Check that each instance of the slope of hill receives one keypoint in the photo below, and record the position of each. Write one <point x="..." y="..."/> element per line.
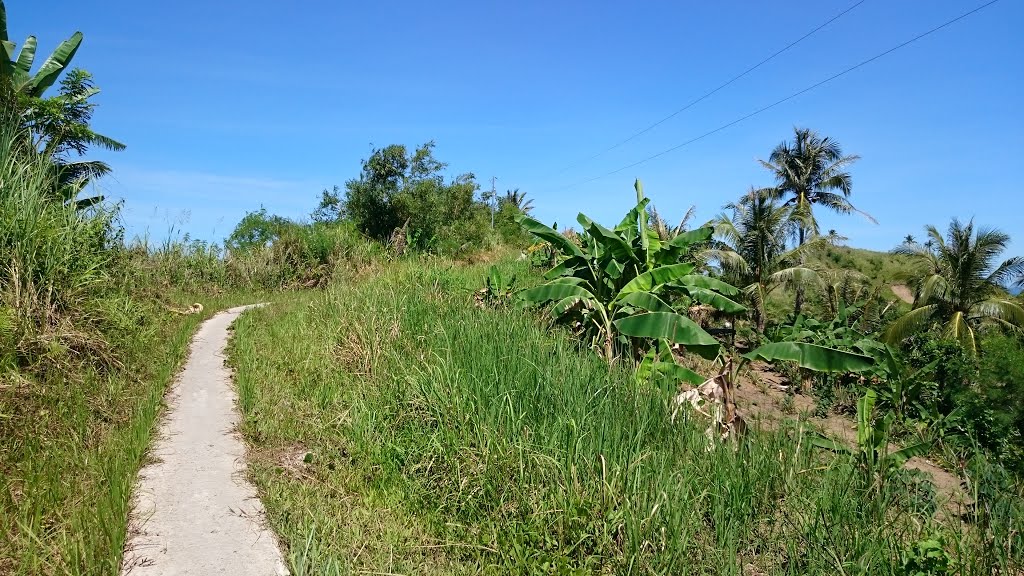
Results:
<point x="880" y="267"/>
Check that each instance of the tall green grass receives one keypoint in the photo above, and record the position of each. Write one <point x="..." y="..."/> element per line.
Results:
<point x="53" y="259"/>
<point x="304" y="256"/>
<point x="397" y="428"/>
<point x="86" y="352"/>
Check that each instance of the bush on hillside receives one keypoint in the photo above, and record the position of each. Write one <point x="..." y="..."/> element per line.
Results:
<point x="399" y="190"/>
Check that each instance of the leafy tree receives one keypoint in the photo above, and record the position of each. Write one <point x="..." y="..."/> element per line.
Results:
<point x="331" y="207"/>
<point x="751" y="249"/>
<point x="257" y="229"/>
<point x="809" y="171"/>
<point x="959" y="286"/>
<point x="619" y="286"/>
<point x="370" y="199"/>
<point x="505" y="224"/>
<point x="59" y="126"/>
<point x="396" y="188"/>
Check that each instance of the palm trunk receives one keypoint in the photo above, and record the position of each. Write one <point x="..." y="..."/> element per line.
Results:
<point x="799" y="301"/>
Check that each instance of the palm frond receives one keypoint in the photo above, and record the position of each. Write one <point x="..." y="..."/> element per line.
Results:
<point x="911" y="323"/>
<point x="960" y="330"/>
<point x="1007" y="271"/>
<point x="999" y="309"/>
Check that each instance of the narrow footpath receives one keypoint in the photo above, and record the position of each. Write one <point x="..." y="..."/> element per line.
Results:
<point x="194" y="511"/>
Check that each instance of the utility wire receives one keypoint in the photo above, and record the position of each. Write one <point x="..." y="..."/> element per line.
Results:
<point x="712" y="92"/>
<point x="787" y="98"/>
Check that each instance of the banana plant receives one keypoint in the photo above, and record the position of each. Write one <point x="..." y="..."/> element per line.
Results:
<point x="621" y="284"/>
<point x="498" y="289"/>
<point x="18" y="69"/>
<point x="872" y="454"/>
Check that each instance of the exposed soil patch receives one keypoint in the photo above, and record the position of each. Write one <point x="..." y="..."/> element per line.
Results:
<point x="903" y="293"/>
<point x="765" y="398"/>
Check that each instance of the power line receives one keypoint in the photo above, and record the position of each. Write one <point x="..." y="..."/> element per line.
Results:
<point x="787" y="98"/>
<point x="712" y="92"/>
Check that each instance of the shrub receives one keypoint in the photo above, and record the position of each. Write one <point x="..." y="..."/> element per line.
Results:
<point x="401" y="190"/>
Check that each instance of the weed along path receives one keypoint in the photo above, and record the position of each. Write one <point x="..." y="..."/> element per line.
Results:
<point x="194" y="511"/>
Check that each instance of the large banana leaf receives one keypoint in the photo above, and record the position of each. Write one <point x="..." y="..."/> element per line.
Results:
<point x="645" y="241"/>
<point x="716" y="300"/>
<point x="830" y="444"/>
<point x="555" y="291"/>
<point x="27" y="56"/>
<point x="563" y="305"/>
<point x="645" y="301"/>
<point x="611" y="242"/>
<point x="709" y="283"/>
<point x="865" y="414"/>
<point x="561" y="243"/>
<point x="54" y="65"/>
<point x="812" y="357"/>
<point x="673" y="327"/>
<point x="691" y="237"/>
<point x="679" y="373"/>
<point x="6" y="64"/>
<point x="903" y="454"/>
<point x="567" y="267"/>
<point x="631" y="222"/>
<point x="650" y="280"/>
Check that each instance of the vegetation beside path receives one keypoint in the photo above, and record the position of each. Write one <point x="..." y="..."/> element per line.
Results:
<point x="398" y="428"/>
<point x="71" y="445"/>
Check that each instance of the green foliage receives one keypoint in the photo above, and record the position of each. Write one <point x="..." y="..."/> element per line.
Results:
<point x="331" y="206"/>
<point x="397" y="189"/>
<point x="18" y="70"/>
<point x="873" y="456"/>
<point x="750" y="248"/>
<point x="498" y="289"/>
<point x="959" y="285"/>
<point x="499" y="447"/>
<point x="265" y="252"/>
<point x="927" y="558"/>
<point x="811" y="357"/>
<point x="57" y="260"/>
<point x="810" y="171"/>
<point x="57" y="126"/>
<point x="620" y="284"/>
<point x="507" y="228"/>
<point x="257" y="230"/>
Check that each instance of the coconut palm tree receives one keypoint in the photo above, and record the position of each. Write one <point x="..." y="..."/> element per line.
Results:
<point x="959" y="286"/>
<point x="750" y="247"/>
<point x="810" y="171"/>
<point x="662" y="228"/>
<point x="517" y="199"/>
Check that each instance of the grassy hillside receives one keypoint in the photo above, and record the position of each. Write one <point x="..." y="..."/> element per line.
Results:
<point x="881" y="268"/>
<point x="397" y="428"/>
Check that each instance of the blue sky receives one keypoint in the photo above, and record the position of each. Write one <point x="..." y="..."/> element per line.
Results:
<point x="229" y="105"/>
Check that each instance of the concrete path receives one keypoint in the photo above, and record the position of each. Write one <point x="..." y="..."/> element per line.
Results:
<point x="194" y="512"/>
